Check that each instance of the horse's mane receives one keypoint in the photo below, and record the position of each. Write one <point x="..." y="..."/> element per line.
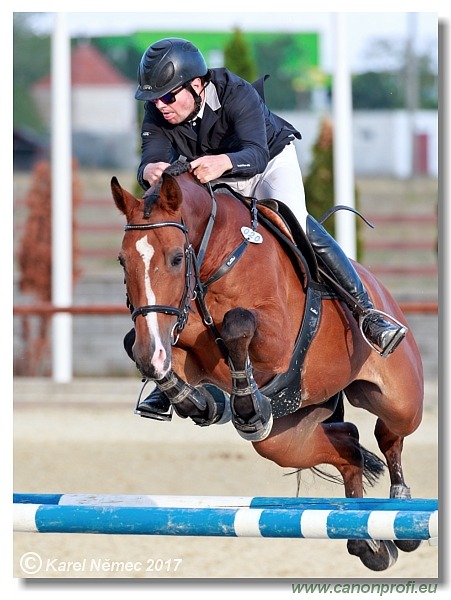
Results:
<point x="152" y="194"/>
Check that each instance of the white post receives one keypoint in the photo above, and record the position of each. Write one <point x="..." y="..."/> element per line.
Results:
<point x="345" y="230"/>
<point x="412" y="92"/>
<point x="61" y="160"/>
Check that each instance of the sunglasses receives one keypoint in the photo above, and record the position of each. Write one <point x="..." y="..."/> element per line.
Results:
<point x="170" y="97"/>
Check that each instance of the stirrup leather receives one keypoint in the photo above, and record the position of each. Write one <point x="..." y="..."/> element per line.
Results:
<point x="371" y="312"/>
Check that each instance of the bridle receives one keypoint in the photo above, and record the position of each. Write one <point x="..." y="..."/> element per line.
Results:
<point x="189" y="293"/>
<point x="195" y="289"/>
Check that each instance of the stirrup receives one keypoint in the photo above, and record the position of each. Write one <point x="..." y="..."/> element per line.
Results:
<point x="397" y="339"/>
<point x="150" y="414"/>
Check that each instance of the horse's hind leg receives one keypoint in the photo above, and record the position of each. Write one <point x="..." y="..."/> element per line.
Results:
<point x="302" y="441"/>
<point x="356" y="463"/>
<point x="391" y="446"/>
<point x="251" y="410"/>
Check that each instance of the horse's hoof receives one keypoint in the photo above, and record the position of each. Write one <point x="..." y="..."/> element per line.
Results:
<point x="254" y="430"/>
<point x="407" y="545"/>
<point x="383" y="558"/>
<point x="258" y="427"/>
<point x="400" y="491"/>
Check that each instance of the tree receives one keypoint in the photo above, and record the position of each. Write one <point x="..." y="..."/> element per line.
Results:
<point x="396" y="73"/>
<point x="272" y="55"/>
<point x="35" y="265"/>
<point x="122" y="54"/>
<point x="238" y="57"/>
<point x="374" y="90"/>
<point x="319" y="183"/>
<point x="31" y="61"/>
<point x="428" y="83"/>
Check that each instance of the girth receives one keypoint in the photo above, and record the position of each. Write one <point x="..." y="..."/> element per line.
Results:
<point x="284" y="389"/>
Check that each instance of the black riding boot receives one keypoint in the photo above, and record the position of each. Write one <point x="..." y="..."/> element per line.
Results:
<point x="380" y="332"/>
<point x="156" y="403"/>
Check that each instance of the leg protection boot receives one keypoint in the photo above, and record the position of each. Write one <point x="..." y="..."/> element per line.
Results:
<point x="373" y="324"/>
<point x="208" y="398"/>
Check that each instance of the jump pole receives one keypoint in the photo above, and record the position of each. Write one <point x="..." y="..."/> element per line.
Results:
<point x="317" y="518"/>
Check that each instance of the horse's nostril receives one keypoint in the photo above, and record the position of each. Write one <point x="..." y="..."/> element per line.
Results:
<point x="161" y="355"/>
<point x="159" y="358"/>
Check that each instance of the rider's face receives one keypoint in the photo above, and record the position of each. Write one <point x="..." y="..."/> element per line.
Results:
<point x="182" y="107"/>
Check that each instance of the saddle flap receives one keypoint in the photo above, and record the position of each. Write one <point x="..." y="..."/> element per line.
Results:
<point x="282" y="217"/>
<point x="270" y="210"/>
<point x="301" y="240"/>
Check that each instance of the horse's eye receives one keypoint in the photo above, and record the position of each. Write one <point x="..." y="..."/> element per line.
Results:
<point x="177" y="259"/>
<point x="120" y="260"/>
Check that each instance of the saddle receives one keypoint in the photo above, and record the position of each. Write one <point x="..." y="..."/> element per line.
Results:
<point x="284" y="389"/>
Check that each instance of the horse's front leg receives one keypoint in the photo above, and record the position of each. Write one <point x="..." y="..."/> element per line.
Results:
<point x="205" y="404"/>
<point x="251" y="410"/>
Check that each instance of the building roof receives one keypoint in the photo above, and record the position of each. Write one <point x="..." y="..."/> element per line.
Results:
<point x="89" y="67"/>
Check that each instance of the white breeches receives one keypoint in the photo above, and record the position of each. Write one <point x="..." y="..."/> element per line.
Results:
<point x="281" y="180"/>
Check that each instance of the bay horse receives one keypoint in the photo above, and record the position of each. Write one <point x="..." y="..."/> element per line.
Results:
<point x="221" y="303"/>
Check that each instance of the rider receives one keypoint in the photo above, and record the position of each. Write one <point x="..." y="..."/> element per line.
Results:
<point x="222" y="126"/>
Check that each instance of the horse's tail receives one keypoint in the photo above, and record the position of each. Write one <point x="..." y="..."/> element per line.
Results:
<point x="373" y="469"/>
<point x="373" y="466"/>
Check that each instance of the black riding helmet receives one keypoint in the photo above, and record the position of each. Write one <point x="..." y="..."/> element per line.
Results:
<point x="166" y="65"/>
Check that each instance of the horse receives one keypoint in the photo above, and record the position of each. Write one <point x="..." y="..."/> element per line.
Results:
<point x="222" y="303"/>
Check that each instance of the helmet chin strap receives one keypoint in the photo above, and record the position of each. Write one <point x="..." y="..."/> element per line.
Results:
<point x="197" y="100"/>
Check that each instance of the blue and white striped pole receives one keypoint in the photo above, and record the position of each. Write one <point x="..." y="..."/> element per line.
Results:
<point x="263" y="517"/>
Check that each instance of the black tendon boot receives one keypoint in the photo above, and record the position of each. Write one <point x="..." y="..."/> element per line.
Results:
<point x="377" y="330"/>
<point x="211" y="404"/>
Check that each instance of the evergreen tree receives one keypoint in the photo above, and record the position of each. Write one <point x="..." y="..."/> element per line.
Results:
<point x="319" y="183"/>
<point x="238" y="57"/>
<point x="31" y="61"/>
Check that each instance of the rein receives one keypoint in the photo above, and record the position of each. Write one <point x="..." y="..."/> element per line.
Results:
<point x="195" y="289"/>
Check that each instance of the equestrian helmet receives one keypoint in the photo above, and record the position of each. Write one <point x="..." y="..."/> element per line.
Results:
<point x="167" y="64"/>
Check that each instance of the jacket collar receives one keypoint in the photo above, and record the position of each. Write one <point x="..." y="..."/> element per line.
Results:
<point x="207" y="114"/>
<point x="211" y="101"/>
<point x="211" y="97"/>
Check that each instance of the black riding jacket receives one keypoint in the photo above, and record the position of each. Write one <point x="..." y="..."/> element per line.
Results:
<point x="242" y="126"/>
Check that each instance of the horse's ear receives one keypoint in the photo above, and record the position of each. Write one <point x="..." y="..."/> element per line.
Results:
<point x="170" y="193"/>
<point x="123" y="199"/>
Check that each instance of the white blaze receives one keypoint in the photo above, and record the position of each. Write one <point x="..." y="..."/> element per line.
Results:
<point x="146" y="251"/>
